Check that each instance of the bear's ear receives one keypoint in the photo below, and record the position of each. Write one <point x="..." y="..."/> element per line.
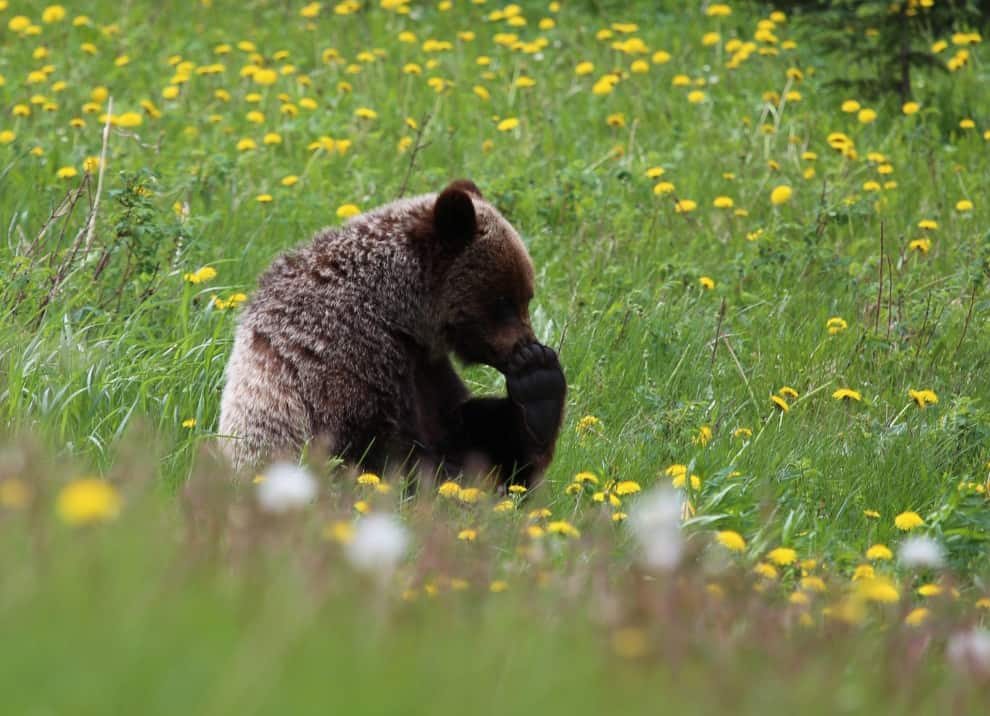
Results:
<point x="466" y="185"/>
<point x="454" y="220"/>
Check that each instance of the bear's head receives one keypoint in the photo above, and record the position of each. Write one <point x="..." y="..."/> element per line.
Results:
<point x="486" y="284"/>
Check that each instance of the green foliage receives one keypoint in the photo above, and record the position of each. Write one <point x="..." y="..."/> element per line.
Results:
<point x="888" y="43"/>
<point x="107" y="348"/>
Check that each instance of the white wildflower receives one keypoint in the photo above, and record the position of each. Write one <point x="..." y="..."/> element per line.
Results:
<point x="920" y="551"/>
<point x="379" y="542"/>
<point x="969" y="652"/>
<point x="655" y="521"/>
<point x="285" y="487"/>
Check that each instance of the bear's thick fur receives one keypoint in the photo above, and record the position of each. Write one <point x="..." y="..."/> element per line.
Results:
<point x="346" y="344"/>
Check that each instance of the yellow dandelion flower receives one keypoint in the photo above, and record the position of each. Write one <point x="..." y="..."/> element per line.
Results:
<point x="189" y="423"/>
<point x="812" y="584"/>
<point x="290" y="180"/>
<point x="922" y="246"/>
<point x="782" y="556"/>
<point x="263" y="198"/>
<point x="497" y="586"/>
<point x="627" y="487"/>
<point x="369" y="479"/>
<point x="780" y="403"/>
<point x="835" y="325"/>
<point x="365" y="113"/>
<point x="339" y="531"/>
<point x="469" y="495"/>
<point x="586" y="477"/>
<point x="362" y="507"/>
<point x="201" y="275"/>
<point x="603" y="86"/>
<point x="732" y="541"/>
<point x="928" y="224"/>
<point x="871" y="514"/>
<point x="863" y="571"/>
<point x="616" y="120"/>
<point x="781" y="194"/>
<point x="850" y="106"/>
<point x="676" y="470"/>
<point x="87" y="501"/>
<point x="562" y="527"/>
<point x="718" y="10"/>
<point x="67" y="173"/>
<point x="311" y="10"/>
<point x="723" y="202"/>
<point x="964" y="205"/>
<point x="767" y="571"/>
<point x="930" y="590"/>
<point x="703" y="436"/>
<point x="917" y="616"/>
<point x="7" y="136"/>
<point x="983" y="603"/>
<point x="707" y="282"/>
<point x="346" y="211"/>
<point x="788" y="392"/>
<point x="664" y="187"/>
<point x="879" y="589"/>
<point x="449" y="489"/>
<point x="696" y="97"/>
<point x="504" y="506"/>
<point x="588" y="423"/>
<point x="265" y="76"/>
<point x="879" y="551"/>
<point x="52" y="13"/>
<point x="685" y="206"/>
<point x="907" y="521"/>
<point x="517" y="489"/>
<point x="866" y="115"/>
<point x="847" y="394"/>
<point x="508" y="124"/>
<point x="923" y="398"/>
<point x="467" y="535"/>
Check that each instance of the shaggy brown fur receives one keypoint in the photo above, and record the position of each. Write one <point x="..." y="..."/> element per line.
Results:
<point x="346" y="342"/>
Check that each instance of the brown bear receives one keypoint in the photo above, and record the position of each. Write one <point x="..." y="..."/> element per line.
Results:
<point x="346" y="344"/>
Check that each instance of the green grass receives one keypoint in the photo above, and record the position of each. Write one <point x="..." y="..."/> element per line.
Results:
<point x="103" y="370"/>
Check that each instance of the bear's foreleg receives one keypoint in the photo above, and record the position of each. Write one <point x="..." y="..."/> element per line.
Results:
<point x="517" y="434"/>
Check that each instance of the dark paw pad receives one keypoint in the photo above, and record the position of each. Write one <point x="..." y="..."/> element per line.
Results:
<point x="536" y="384"/>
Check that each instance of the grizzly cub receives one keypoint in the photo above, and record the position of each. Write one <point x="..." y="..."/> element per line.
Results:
<point x="346" y="343"/>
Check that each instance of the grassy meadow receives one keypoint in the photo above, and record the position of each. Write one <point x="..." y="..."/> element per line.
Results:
<point x="767" y="289"/>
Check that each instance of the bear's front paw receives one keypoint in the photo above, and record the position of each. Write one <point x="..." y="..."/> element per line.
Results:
<point x="537" y="386"/>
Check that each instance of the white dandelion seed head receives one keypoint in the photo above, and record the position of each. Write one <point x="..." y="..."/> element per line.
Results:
<point x="969" y="652"/>
<point x="286" y="487"/>
<point x="655" y="521"/>
<point x="920" y="551"/>
<point x="379" y="542"/>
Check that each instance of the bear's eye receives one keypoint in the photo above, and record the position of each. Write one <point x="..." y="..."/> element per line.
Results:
<point x="504" y="309"/>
